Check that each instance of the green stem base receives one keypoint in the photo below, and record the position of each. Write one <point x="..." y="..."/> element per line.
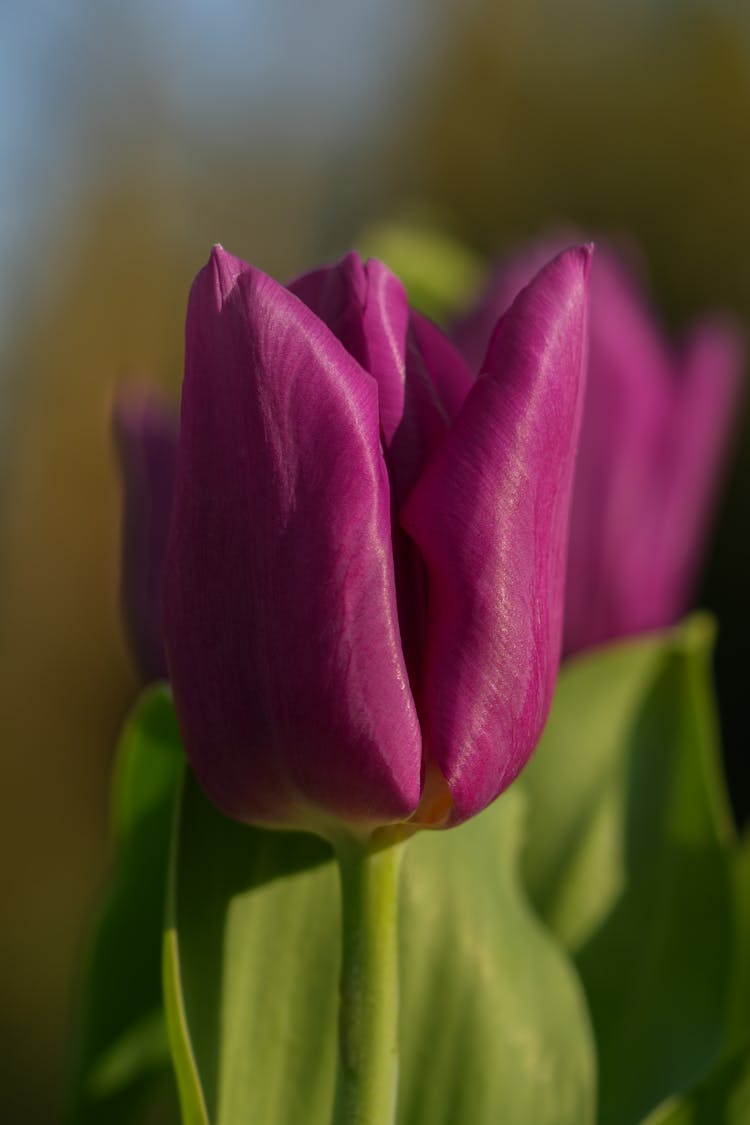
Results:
<point x="367" y="1079"/>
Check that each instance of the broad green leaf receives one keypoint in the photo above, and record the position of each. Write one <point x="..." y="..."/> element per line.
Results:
<point x="738" y="1027"/>
<point x="724" y="1097"/>
<point x="251" y="957"/>
<point x="628" y="859"/>
<point x="121" y="1051"/>
<point x="493" y="1024"/>
<point x="573" y="864"/>
<point x="441" y="275"/>
<point x="495" y="1028"/>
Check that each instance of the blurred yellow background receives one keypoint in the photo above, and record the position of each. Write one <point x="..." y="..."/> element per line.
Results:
<point x="131" y="139"/>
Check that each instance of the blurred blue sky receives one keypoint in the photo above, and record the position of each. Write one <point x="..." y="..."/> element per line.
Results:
<point x="79" y="78"/>
<point x="74" y="75"/>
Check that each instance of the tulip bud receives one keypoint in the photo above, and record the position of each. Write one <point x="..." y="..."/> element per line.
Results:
<point x="653" y="437"/>
<point x="146" y="438"/>
<point x="363" y="585"/>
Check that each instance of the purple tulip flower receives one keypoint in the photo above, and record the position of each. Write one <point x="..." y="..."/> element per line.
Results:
<point x="364" y="577"/>
<point x="146" y="437"/>
<point x="655" y="427"/>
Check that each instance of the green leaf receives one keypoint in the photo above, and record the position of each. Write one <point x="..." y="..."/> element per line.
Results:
<point x="251" y="970"/>
<point x="628" y="860"/>
<point x="573" y="863"/>
<point x="493" y="1024"/>
<point x="441" y="275"/>
<point x="722" y="1099"/>
<point x="725" y="1095"/>
<point x="738" y="1024"/>
<point x="121" y="1050"/>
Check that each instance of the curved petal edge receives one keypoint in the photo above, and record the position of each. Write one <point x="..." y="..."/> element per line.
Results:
<point x="490" y="515"/>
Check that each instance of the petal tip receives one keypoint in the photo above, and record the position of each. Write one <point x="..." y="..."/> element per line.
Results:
<point x="224" y="269"/>
<point x="581" y="256"/>
<point x="567" y="274"/>
<point x="570" y="272"/>
<point x="587" y="250"/>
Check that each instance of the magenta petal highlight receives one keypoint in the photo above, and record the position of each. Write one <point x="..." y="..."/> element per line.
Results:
<point x="473" y="331"/>
<point x="280" y="609"/>
<point x="490" y="515"/>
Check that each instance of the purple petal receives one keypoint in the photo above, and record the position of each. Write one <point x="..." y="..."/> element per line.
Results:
<point x="146" y="436"/>
<point x="613" y="585"/>
<point x="473" y="331"/>
<point x="280" y="609"/>
<point x="708" y="388"/>
<point x="366" y="307"/>
<point x="652" y="441"/>
<point x="490" y="515"/>
<point x="449" y="372"/>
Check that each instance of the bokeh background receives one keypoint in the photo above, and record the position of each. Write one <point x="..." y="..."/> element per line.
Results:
<point x="132" y="137"/>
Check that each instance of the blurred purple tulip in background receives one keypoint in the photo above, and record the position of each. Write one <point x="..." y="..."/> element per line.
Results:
<point x="146" y="438"/>
<point x="653" y="439"/>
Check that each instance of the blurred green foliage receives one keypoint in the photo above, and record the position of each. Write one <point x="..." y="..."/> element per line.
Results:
<point x="630" y="859"/>
<point x="619" y="117"/>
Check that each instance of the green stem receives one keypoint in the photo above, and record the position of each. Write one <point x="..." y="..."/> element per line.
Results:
<point x="367" y="1079"/>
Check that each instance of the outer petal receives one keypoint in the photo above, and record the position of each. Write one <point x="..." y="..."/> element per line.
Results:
<point x="280" y="615"/>
<point x="490" y="516"/>
<point x="146" y="436"/>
